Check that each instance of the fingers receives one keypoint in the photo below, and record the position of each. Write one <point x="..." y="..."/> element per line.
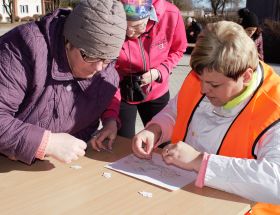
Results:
<point x="80" y="152"/>
<point x="110" y="144"/>
<point x="150" y="76"/>
<point x="71" y="155"/>
<point x="149" y="149"/>
<point x="168" y="159"/>
<point x="182" y="155"/>
<point x="77" y="152"/>
<point x="71" y="158"/>
<point x="96" y="145"/>
<point x="68" y="158"/>
<point x="106" y="140"/>
<point x="98" y="141"/>
<point x="82" y="145"/>
<point x="146" y="78"/>
<point x="165" y="152"/>
<point x="168" y="149"/>
<point x="168" y="153"/>
<point x="139" y="151"/>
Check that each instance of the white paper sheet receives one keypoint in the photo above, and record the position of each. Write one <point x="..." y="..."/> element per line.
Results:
<point x="154" y="171"/>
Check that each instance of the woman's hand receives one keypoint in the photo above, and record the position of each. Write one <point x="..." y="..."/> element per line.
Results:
<point x="183" y="156"/>
<point x="143" y="142"/>
<point x="150" y="76"/>
<point x="65" y="147"/>
<point x="108" y="132"/>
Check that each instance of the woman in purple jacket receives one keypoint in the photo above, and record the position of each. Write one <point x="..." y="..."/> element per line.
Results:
<point x="57" y="81"/>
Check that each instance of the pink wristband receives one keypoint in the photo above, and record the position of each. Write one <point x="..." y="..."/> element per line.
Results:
<point x="201" y="174"/>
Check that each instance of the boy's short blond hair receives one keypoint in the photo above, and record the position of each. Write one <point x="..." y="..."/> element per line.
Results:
<point x="226" y="48"/>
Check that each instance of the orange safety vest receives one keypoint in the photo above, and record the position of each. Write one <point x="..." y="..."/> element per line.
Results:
<point x="260" y="114"/>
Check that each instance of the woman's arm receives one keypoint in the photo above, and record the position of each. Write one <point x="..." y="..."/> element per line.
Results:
<point x="257" y="180"/>
<point x="166" y="120"/>
<point x="18" y="140"/>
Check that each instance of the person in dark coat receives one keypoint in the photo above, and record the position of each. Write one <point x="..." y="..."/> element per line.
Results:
<point x="58" y="79"/>
<point x="193" y="29"/>
<point x="251" y="25"/>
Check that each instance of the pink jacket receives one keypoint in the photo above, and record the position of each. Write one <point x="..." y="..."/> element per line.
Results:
<point x="161" y="47"/>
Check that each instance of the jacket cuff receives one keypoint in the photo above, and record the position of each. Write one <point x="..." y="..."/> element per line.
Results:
<point x="41" y="151"/>
<point x="201" y="174"/>
<point x="164" y="72"/>
<point x="104" y="121"/>
<point x="32" y="140"/>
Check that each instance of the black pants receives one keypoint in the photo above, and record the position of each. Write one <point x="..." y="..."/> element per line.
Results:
<point x="146" y="110"/>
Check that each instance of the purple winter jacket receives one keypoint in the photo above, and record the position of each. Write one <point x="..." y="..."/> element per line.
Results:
<point x="38" y="91"/>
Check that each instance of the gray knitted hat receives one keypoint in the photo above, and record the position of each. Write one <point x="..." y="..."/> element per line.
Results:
<point x="98" y="27"/>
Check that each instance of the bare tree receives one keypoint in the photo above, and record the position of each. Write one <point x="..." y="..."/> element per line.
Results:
<point x="216" y="5"/>
<point x="9" y="8"/>
<point x="56" y="3"/>
<point x="220" y="5"/>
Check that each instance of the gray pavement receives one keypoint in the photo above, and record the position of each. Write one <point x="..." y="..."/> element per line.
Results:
<point x="3" y="30"/>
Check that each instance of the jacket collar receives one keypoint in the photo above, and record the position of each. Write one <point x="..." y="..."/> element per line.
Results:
<point x="61" y="70"/>
<point x="153" y="15"/>
<point x="160" y="7"/>
<point x="51" y="26"/>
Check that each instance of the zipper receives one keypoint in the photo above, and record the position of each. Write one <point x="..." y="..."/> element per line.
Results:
<point x="142" y="53"/>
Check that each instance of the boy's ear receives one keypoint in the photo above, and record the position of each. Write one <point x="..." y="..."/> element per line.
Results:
<point x="247" y="76"/>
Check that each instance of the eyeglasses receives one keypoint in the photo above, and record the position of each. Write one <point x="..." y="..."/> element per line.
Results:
<point x="89" y="59"/>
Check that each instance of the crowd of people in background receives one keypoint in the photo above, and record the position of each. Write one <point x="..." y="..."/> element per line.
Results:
<point x="193" y="29"/>
<point x="248" y="20"/>
<point x="107" y="60"/>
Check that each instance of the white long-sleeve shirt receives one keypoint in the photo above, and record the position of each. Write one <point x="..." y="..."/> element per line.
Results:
<point x="255" y="179"/>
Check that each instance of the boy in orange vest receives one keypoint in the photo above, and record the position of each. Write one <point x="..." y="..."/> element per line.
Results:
<point x="225" y="121"/>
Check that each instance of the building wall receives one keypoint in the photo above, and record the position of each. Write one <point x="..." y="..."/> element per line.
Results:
<point x="23" y="8"/>
<point x="28" y="7"/>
